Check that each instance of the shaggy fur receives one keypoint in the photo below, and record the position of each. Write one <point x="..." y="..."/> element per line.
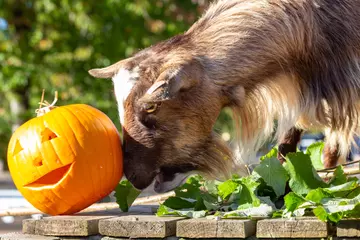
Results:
<point x="293" y="61"/>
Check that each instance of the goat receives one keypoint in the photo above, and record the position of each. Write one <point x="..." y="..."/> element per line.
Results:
<point x="293" y="61"/>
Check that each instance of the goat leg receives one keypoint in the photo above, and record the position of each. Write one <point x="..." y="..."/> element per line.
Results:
<point x="331" y="155"/>
<point x="289" y="143"/>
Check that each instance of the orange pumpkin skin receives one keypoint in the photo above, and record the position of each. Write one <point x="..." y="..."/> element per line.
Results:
<point x="67" y="159"/>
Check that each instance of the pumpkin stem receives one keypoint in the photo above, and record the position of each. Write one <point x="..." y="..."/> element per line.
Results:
<point x="47" y="107"/>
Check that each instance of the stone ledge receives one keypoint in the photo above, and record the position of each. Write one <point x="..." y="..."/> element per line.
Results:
<point x="63" y="225"/>
<point x="288" y="228"/>
<point x="22" y="236"/>
<point x="206" y="228"/>
<point x="139" y="226"/>
<point x="348" y="228"/>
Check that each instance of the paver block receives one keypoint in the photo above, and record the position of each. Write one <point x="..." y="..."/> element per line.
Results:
<point x="139" y="226"/>
<point x="119" y="238"/>
<point x="21" y="236"/>
<point x="348" y="228"/>
<point x="28" y="226"/>
<point x="292" y="228"/>
<point x="206" y="228"/>
<point x="63" y="225"/>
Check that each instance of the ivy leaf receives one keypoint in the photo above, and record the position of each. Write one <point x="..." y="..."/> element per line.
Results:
<point x="315" y="151"/>
<point x="274" y="174"/>
<point x="125" y="195"/>
<point x="303" y="176"/>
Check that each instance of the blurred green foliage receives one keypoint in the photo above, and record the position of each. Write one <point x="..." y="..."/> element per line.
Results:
<point x="51" y="44"/>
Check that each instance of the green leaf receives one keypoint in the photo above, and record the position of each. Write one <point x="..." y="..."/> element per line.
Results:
<point x="210" y="201"/>
<point x="315" y="151"/>
<point x="354" y="213"/>
<point x="345" y="187"/>
<point x="265" y="190"/>
<point x="190" y="189"/>
<point x="277" y="214"/>
<point x="320" y="213"/>
<point x="339" y="176"/>
<point x="227" y="188"/>
<point x="125" y="195"/>
<point x="250" y="182"/>
<point x="317" y="195"/>
<point x="199" y="205"/>
<point x="335" y="217"/>
<point x="353" y="193"/>
<point x="211" y="186"/>
<point x="334" y="209"/>
<point x="247" y="193"/>
<point x="263" y="210"/>
<point x="166" y="211"/>
<point x="303" y="177"/>
<point x="271" y="154"/>
<point x="293" y="201"/>
<point x="274" y="174"/>
<point x="178" y="203"/>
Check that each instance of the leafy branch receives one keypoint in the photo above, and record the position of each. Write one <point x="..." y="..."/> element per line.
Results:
<point x="257" y="195"/>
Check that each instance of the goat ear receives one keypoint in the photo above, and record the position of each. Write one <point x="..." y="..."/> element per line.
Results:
<point x="168" y="85"/>
<point x="110" y="71"/>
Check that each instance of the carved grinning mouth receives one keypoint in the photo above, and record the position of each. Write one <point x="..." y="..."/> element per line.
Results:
<point x="50" y="178"/>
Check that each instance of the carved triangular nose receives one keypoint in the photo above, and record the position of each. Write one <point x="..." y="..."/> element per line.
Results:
<point x="47" y="135"/>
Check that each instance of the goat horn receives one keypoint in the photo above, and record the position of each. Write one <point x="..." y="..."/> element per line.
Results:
<point x="155" y="86"/>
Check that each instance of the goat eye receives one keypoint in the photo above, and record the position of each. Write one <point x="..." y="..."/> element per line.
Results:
<point x="151" y="107"/>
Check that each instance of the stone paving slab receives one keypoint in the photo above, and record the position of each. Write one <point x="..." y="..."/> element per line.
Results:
<point x="206" y="228"/>
<point x="22" y="236"/>
<point x="118" y="238"/>
<point x="63" y="225"/>
<point x="15" y="236"/>
<point x="348" y="228"/>
<point x="292" y="228"/>
<point x="139" y="226"/>
<point x="81" y="224"/>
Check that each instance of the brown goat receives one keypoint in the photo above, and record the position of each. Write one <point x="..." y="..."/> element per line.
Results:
<point x="294" y="61"/>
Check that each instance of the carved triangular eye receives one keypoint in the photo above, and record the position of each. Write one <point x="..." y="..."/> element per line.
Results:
<point x="18" y="148"/>
<point x="38" y="162"/>
<point x="47" y="135"/>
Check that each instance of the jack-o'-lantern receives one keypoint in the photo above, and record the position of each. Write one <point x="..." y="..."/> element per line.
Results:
<point x="66" y="158"/>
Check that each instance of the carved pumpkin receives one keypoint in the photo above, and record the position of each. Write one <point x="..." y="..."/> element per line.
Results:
<point x="65" y="159"/>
